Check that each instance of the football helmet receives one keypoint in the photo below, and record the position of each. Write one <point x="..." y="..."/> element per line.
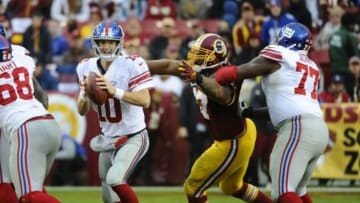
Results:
<point x="295" y="36"/>
<point x="108" y="30"/>
<point x="208" y="51"/>
<point x="5" y="49"/>
<point x="2" y="30"/>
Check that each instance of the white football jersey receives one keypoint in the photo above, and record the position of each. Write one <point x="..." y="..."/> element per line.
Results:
<point x="291" y="90"/>
<point x="129" y="73"/>
<point x="17" y="100"/>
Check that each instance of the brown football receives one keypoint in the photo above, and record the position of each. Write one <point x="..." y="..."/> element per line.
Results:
<point x="95" y="93"/>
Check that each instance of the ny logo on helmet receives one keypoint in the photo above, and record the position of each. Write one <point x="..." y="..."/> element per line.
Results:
<point x="288" y="32"/>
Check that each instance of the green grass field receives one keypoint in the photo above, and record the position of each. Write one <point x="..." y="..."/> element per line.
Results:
<point x="175" y="195"/>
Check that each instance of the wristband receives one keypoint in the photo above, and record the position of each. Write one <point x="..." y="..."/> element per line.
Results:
<point x="119" y="93"/>
<point x="198" y="78"/>
<point x="83" y="97"/>
<point x="226" y="75"/>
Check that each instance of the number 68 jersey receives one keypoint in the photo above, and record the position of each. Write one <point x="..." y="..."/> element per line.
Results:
<point x="17" y="100"/>
<point x="291" y="90"/>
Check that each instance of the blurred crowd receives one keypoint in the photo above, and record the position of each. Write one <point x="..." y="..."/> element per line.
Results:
<point x="57" y="34"/>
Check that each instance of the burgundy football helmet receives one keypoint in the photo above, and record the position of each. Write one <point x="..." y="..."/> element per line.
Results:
<point x="208" y="51"/>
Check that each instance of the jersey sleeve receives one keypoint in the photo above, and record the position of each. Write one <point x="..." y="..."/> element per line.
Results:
<point x="140" y="75"/>
<point x="272" y="52"/>
<point x="80" y="70"/>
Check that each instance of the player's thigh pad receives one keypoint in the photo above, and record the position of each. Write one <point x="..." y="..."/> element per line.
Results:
<point x="126" y="158"/>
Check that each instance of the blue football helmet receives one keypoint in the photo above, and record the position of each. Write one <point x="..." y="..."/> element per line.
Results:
<point x="5" y="49"/>
<point x="108" y="30"/>
<point x="295" y="36"/>
<point x="2" y="30"/>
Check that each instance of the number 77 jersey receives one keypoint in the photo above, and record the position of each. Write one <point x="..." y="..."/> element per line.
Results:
<point x="291" y="90"/>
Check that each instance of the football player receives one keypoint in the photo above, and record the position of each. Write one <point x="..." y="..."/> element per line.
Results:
<point x="290" y="83"/>
<point x="26" y="123"/>
<point x="7" y="193"/>
<point x="225" y="162"/>
<point x="123" y="140"/>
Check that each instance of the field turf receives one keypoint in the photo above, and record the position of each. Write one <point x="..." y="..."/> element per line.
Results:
<point x="175" y="195"/>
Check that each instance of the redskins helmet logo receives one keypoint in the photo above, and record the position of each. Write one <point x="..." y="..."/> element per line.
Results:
<point x="219" y="47"/>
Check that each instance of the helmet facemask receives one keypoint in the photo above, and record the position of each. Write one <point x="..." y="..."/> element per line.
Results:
<point x="107" y="56"/>
<point x="201" y="58"/>
<point x="108" y="31"/>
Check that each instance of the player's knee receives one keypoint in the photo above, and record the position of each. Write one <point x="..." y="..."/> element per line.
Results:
<point x="114" y="177"/>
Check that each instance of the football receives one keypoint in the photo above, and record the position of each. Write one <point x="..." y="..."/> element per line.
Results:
<point x="95" y="93"/>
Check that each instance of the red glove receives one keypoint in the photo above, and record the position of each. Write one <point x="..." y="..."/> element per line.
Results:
<point x="226" y="75"/>
<point x="189" y="74"/>
<point x="120" y="141"/>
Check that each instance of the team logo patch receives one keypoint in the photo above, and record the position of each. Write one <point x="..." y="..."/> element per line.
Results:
<point x="288" y="32"/>
<point x="219" y="47"/>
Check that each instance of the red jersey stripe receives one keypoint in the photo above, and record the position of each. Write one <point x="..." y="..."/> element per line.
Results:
<point x="140" y="79"/>
<point x="276" y="56"/>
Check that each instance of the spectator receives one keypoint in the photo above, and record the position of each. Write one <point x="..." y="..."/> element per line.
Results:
<point x="64" y="10"/>
<point x="169" y="84"/>
<point x="190" y="9"/>
<point x="273" y="23"/>
<point x="158" y="44"/>
<point x="265" y="139"/>
<point x="125" y="9"/>
<point x="191" y="125"/>
<point x="354" y="66"/>
<point x="231" y="12"/>
<point x="253" y="48"/>
<point x="68" y="81"/>
<point x="45" y="79"/>
<point x="301" y="13"/>
<point x="37" y="40"/>
<point x="25" y="9"/>
<point x="159" y="9"/>
<point x="336" y="92"/>
<point x="334" y="23"/>
<point x="59" y="42"/>
<point x="134" y="31"/>
<point x="196" y="30"/>
<point x="95" y="18"/>
<point x="343" y="44"/>
<point x="248" y="26"/>
<point x="107" y="7"/>
<point x="70" y="163"/>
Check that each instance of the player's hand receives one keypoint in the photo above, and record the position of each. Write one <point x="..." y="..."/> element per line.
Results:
<point x="105" y="84"/>
<point x="189" y="74"/>
<point x="120" y="141"/>
<point x="83" y="85"/>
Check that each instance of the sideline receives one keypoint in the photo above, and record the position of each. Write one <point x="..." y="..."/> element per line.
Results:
<point x="212" y="189"/>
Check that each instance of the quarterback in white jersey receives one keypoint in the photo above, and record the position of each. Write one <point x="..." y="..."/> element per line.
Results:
<point x="26" y="123"/>
<point x="123" y="140"/>
<point x="290" y="83"/>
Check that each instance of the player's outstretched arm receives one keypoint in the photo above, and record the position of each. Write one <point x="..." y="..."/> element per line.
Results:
<point x="257" y="66"/>
<point x="40" y="94"/>
<point x="224" y="95"/>
<point x="164" y="66"/>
